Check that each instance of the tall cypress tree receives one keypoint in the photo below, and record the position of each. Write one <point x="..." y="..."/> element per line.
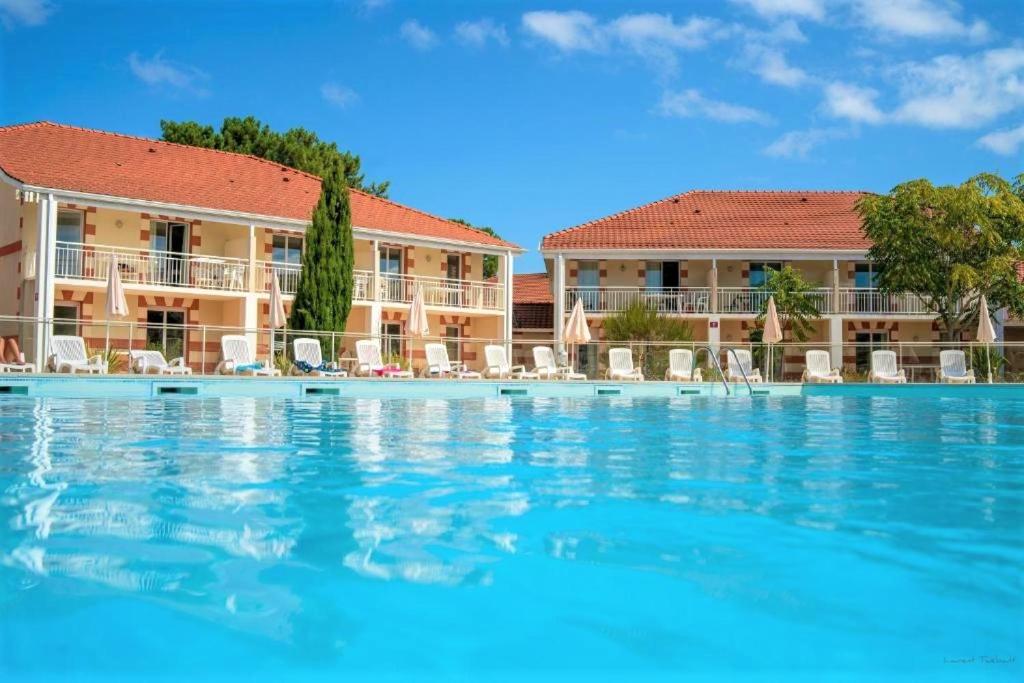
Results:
<point x="323" y="298"/>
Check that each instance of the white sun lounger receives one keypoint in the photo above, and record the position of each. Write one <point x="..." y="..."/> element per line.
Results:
<point x="746" y="361"/>
<point x="147" y="362"/>
<point x="620" y="366"/>
<point x="439" y="366"/>
<point x="19" y="366"/>
<point x="547" y="368"/>
<point x="680" y="367"/>
<point x="307" y="350"/>
<point x="371" y="362"/>
<point x="819" y="369"/>
<point x="884" y="369"/>
<point x="498" y="367"/>
<point x="68" y="354"/>
<point x="237" y="358"/>
<point x="953" y="368"/>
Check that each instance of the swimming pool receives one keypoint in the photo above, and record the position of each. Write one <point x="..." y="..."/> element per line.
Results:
<point x="873" y="536"/>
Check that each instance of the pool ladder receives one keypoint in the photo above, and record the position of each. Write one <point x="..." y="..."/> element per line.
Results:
<point x="721" y="373"/>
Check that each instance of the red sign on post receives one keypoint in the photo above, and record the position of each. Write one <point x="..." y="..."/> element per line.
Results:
<point x="714" y="324"/>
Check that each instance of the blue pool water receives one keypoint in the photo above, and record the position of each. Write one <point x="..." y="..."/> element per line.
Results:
<point x="799" y="538"/>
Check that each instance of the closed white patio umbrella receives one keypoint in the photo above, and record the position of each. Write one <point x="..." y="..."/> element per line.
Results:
<point x="117" y="304"/>
<point x="576" y="330"/>
<point x="277" y="315"/>
<point x="986" y="333"/>
<point x="417" y="325"/>
<point x="772" y="332"/>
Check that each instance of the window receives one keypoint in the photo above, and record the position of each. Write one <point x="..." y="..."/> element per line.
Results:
<point x="65" y="319"/>
<point x="588" y="275"/>
<point x="759" y="272"/>
<point x="287" y="249"/>
<point x="165" y="332"/>
<point x="391" y="260"/>
<point x="865" y="276"/>
<point x="391" y="340"/>
<point x="866" y="343"/>
<point x="454" y="266"/>
<point x="69" y="236"/>
<point x="452" y="341"/>
<point x="170" y="242"/>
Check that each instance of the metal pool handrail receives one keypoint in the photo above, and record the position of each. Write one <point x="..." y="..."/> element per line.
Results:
<point x="713" y="356"/>
<point x="743" y="373"/>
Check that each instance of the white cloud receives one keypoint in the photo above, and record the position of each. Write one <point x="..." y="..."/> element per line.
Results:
<point x="1005" y="142"/>
<point x="771" y="65"/>
<point x="339" y="95"/>
<point x="568" y="31"/>
<point x="654" y="37"/>
<point x="159" y="72"/>
<point x="691" y="104"/>
<point x="797" y="144"/>
<point x="853" y="102"/>
<point x="418" y="35"/>
<point x="27" y="12"/>
<point x="951" y="91"/>
<point x="773" y="9"/>
<point x="919" y="19"/>
<point x="478" y="33"/>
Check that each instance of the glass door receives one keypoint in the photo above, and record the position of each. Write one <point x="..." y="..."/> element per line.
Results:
<point x="391" y="273"/>
<point x="453" y="278"/>
<point x="165" y="332"/>
<point x="169" y="242"/>
<point x="588" y="279"/>
<point x="69" y="244"/>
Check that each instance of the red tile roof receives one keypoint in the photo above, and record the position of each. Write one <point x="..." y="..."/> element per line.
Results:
<point x="703" y="219"/>
<point x="63" y="157"/>
<point x="374" y="213"/>
<point x="531" y="288"/>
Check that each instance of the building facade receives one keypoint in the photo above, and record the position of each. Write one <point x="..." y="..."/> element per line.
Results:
<point x="197" y="236"/>
<point x="705" y="255"/>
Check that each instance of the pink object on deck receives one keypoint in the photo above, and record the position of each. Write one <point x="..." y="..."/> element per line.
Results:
<point x="388" y="370"/>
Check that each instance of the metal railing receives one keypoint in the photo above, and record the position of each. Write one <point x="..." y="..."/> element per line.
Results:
<point x="681" y="300"/>
<point x="395" y="288"/>
<point x="287" y="276"/>
<point x="869" y="301"/>
<point x="753" y="300"/>
<point x="144" y="267"/>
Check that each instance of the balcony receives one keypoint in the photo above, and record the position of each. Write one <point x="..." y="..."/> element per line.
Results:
<point x="866" y="301"/>
<point x="753" y="300"/>
<point x="142" y="267"/>
<point x="287" y="276"/>
<point x="439" y="292"/>
<point x="681" y="300"/>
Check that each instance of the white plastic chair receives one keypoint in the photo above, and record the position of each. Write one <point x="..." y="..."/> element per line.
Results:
<point x="620" y="366"/>
<point x="680" y="367"/>
<point x="498" y="367"/>
<point x="68" y="354"/>
<point x="145" y="362"/>
<point x="547" y="368"/>
<point x="238" y="359"/>
<point x="18" y="366"/>
<point x="953" y="368"/>
<point x="307" y="350"/>
<point x="371" y="361"/>
<point x="819" y="369"/>
<point x="439" y="366"/>
<point x="884" y="369"/>
<point x="746" y="361"/>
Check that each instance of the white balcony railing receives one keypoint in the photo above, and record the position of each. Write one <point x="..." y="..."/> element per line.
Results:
<point x="873" y="302"/>
<point x="666" y="299"/>
<point x="137" y="266"/>
<point x="436" y="291"/>
<point x="287" y="276"/>
<point x="753" y="300"/>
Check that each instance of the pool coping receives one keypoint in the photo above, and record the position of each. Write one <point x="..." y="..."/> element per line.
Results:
<point x="155" y="386"/>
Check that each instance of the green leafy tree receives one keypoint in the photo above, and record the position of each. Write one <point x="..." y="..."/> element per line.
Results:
<point x="949" y="245"/>
<point x="323" y="297"/>
<point x="640" y="322"/>
<point x="296" y="147"/>
<point x="490" y="261"/>
<point x="796" y="302"/>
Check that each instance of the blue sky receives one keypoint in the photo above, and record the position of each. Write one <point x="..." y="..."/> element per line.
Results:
<point x="531" y="117"/>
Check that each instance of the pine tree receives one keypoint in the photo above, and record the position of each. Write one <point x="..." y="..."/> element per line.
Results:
<point x="323" y="298"/>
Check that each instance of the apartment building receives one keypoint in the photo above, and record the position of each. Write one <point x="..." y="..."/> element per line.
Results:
<point x="705" y="255"/>
<point x="197" y="235"/>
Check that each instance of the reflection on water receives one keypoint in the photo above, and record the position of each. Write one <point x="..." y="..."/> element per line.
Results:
<point x="246" y="513"/>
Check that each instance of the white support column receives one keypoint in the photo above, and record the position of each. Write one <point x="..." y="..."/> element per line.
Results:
<point x="714" y="337"/>
<point x="835" y="286"/>
<point x="46" y="271"/>
<point x="376" y="314"/>
<point x="713" y="286"/>
<point x="835" y="337"/>
<point x="559" y="296"/>
<point x="251" y="311"/>
<point x="376" y="271"/>
<point x="507" y="328"/>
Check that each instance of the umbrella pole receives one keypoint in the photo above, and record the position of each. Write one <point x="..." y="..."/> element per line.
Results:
<point x="106" y="342"/>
